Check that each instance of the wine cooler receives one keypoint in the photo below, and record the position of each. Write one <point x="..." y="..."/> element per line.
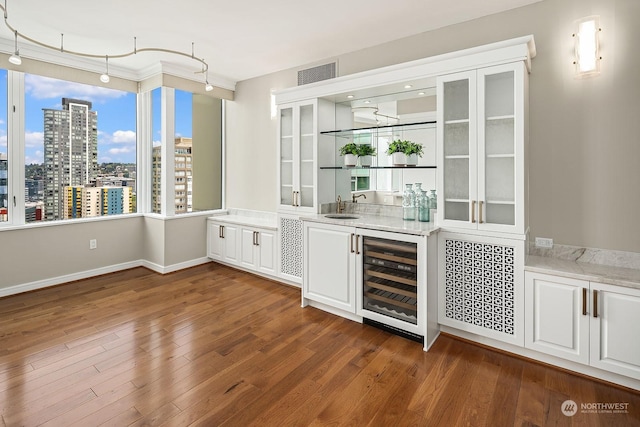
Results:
<point x="390" y="283"/>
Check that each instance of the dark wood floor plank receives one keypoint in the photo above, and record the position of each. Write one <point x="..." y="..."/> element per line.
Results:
<point x="212" y="345"/>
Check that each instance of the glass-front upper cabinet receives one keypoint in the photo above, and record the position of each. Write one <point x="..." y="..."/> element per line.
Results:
<point x="297" y="136"/>
<point x="482" y="146"/>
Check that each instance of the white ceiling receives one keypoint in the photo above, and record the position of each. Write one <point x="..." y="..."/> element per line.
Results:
<point x="238" y="39"/>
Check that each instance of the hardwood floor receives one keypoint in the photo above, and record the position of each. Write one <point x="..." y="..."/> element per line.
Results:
<point x="214" y="346"/>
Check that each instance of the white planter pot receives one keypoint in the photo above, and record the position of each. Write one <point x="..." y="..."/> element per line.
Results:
<point x="412" y="160"/>
<point x="398" y="159"/>
<point x="365" y="161"/>
<point x="350" y="160"/>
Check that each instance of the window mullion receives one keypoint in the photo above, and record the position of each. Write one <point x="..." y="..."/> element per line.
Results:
<point x="15" y="146"/>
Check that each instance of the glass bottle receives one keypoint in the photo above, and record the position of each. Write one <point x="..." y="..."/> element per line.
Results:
<point x="424" y="204"/>
<point x="408" y="203"/>
<point x="433" y="198"/>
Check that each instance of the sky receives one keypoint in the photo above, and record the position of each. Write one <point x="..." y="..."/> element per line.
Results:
<point x="116" y="116"/>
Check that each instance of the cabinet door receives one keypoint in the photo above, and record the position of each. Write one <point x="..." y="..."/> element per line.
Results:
<point x="286" y="155"/>
<point x="306" y="147"/>
<point x="457" y="187"/>
<point x="266" y="249"/>
<point x="230" y="242"/>
<point x="215" y="243"/>
<point x="290" y="245"/>
<point x="329" y="265"/>
<point x="500" y="148"/>
<point x="615" y="328"/>
<point x="248" y="253"/>
<point x="556" y="317"/>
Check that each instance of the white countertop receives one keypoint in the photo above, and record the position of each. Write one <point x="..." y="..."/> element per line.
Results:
<point x="250" y="221"/>
<point x="627" y="277"/>
<point x="376" y="222"/>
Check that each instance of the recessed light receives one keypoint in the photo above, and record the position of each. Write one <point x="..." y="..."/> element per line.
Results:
<point x="420" y="93"/>
<point x="367" y="102"/>
<point x="408" y="86"/>
<point x="350" y="96"/>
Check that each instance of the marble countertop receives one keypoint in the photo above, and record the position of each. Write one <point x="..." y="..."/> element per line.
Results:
<point x="620" y="276"/>
<point x="251" y="221"/>
<point x="377" y="222"/>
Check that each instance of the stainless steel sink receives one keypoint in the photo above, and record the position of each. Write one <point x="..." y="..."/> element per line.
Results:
<point x="341" y="216"/>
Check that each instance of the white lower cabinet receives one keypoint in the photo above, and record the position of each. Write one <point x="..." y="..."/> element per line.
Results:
<point x="222" y="242"/>
<point x="258" y="250"/>
<point x="586" y="322"/>
<point x="252" y="248"/>
<point x="330" y="265"/>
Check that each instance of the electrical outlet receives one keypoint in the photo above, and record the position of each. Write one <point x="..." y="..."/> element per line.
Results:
<point x="93" y="243"/>
<point x="543" y="242"/>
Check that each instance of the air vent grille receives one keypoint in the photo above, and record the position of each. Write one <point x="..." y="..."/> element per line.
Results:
<point x="316" y="74"/>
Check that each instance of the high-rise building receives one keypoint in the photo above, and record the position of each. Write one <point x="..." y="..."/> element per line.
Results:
<point x="183" y="176"/>
<point x="85" y="202"/>
<point x="70" y="152"/>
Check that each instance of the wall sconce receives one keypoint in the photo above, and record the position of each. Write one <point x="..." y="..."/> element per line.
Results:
<point x="587" y="46"/>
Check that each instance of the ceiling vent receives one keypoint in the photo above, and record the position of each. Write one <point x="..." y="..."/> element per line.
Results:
<point x="316" y="74"/>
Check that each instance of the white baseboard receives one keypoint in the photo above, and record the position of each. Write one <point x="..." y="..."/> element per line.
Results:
<point x="174" y="267"/>
<point x="45" y="283"/>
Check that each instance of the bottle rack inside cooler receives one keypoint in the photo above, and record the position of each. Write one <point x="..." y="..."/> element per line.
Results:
<point x="390" y="278"/>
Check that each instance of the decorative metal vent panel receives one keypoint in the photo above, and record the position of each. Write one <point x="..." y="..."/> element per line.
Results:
<point x="291" y="246"/>
<point x="316" y="74"/>
<point x="479" y="285"/>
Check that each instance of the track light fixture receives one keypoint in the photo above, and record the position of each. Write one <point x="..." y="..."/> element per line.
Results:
<point x="17" y="60"/>
<point x="104" y="78"/>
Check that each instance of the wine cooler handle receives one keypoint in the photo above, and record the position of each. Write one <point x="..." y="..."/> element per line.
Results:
<point x="357" y="244"/>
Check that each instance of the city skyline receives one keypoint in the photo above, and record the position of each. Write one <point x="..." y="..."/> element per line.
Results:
<point x="116" y="116"/>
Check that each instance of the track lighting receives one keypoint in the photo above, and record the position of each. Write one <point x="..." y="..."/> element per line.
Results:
<point x="104" y="78"/>
<point x="15" y="58"/>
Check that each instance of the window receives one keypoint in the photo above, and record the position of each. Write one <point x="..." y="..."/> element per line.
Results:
<point x="80" y="146"/>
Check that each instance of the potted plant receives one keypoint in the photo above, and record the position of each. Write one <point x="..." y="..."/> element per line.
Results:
<point x="396" y="150"/>
<point x="365" y="153"/>
<point x="413" y="150"/>
<point x="350" y="153"/>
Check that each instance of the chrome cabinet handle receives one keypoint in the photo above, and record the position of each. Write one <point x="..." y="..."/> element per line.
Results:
<point x="221" y="233"/>
<point x="357" y="244"/>
<point x="255" y="238"/>
<point x="480" y="212"/>
<point x="351" y="243"/>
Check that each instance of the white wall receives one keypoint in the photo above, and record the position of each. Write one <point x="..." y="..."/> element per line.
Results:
<point x="583" y="133"/>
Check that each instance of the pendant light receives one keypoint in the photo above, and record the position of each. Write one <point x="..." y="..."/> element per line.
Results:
<point x="15" y="58"/>
<point x="104" y="78"/>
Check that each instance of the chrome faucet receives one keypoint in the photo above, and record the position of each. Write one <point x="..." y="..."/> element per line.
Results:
<point x="340" y="207"/>
<point x="354" y="197"/>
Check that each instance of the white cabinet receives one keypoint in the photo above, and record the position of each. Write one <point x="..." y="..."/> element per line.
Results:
<point x="257" y="248"/>
<point x="250" y="247"/>
<point x="557" y="316"/>
<point x="480" y="286"/>
<point x="290" y="244"/>
<point x="222" y="242"/>
<point x="481" y="147"/>
<point x="586" y="322"/>
<point x="615" y="328"/>
<point x="330" y="265"/>
<point x="301" y="188"/>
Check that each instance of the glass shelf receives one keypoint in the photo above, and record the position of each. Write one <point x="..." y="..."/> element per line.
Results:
<point x="348" y="133"/>
<point x="376" y="167"/>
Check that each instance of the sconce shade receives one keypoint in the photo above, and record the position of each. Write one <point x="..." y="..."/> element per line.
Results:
<point x="587" y="46"/>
